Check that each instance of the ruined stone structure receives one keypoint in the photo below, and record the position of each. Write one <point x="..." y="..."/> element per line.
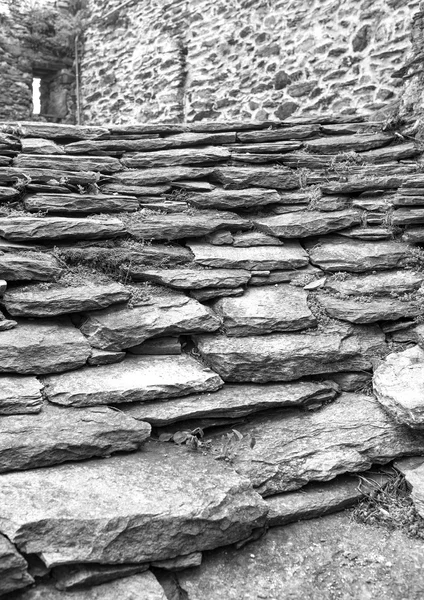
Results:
<point x="196" y="60"/>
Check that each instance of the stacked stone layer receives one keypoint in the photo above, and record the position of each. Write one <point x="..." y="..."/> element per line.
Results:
<point x="166" y="280"/>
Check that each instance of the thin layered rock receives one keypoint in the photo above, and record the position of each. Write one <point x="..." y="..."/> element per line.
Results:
<point x="349" y="435"/>
<point x="53" y="131"/>
<point x="159" y="176"/>
<point x="290" y="356"/>
<point x="71" y="577"/>
<point x="63" y="348"/>
<point x="398" y="385"/>
<point x="233" y="402"/>
<point x="238" y="178"/>
<point x="103" y="164"/>
<point x="163" y="346"/>
<point x="36" y="301"/>
<point x="369" y="310"/>
<point x="257" y="258"/>
<point x="413" y="470"/>
<point x="110" y="517"/>
<point x="105" y="357"/>
<point x="29" y="266"/>
<point x="307" y="223"/>
<point x="171" y="158"/>
<point x="206" y="294"/>
<point x="59" y="228"/>
<point x="136" y="379"/>
<point x="20" y="395"/>
<point x="41" y="146"/>
<point x="193" y="279"/>
<point x="296" y="132"/>
<point x="117" y="327"/>
<point x="235" y="199"/>
<point x="400" y="282"/>
<point x="13" y="568"/>
<point x="348" y="143"/>
<point x="54" y="177"/>
<point x="247" y="239"/>
<point x="80" y="203"/>
<point x="265" y="310"/>
<point x="58" y="435"/>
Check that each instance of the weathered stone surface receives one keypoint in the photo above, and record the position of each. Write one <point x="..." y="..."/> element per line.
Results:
<point x="265" y="147"/>
<point x="233" y="199"/>
<point x="336" y="253"/>
<point x="319" y="499"/>
<point x="103" y="164"/>
<point x="300" y="277"/>
<point x="237" y="178"/>
<point x="159" y="176"/>
<point x="59" y="228"/>
<point x="289" y="256"/>
<point x="408" y="216"/>
<point x="170" y="158"/>
<point x="59" y="435"/>
<point x="105" y="357"/>
<point x="307" y="223"/>
<point x="163" y="346"/>
<point x="41" y="146"/>
<point x="289" y="356"/>
<point x="13" y="568"/>
<point x="51" y="176"/>
<point x="54" y="131"/>
<point x="136" y="379"/>
<point x="322" y="559"/>
<point x="144" y="585"/>
<point x="390" y="153"/>
<point x="206" y="294"/>
<point x="413" y="235"/>
<point x="348" y="143"/>
<point x="8" y="193"/>
<point x="79" y="203"/>
<point x="69" y="577"/>
<point x="29" y="266"/>
<point x="109" y="518"/>
<point x="234" y="401"/>
<point x="193" y="279"/>
<point x="398" y="385"/>
<point x="37" y="301"/>
<point x="246" y="239"/>
<point x="134" y="190"/>
<point x="298" y="132"/>
<point x="118" y="327"/>
<point x="413" y="470"/>
<point x="376" y="309"/>
<point x="400" y="282"/>
<point x="63" y="348"/>
<point x="348" y="435"/>
<point x="265" y="310"/>
<point x="20" y="395"/>
<point x="182" y="225"/>
<point x="352" y="382"/>
<point x="368" y="233"/>
<point x="180" y="562"/>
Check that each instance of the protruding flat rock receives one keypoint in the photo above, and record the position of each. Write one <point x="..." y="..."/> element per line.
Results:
<point x="408" y="216"/>
<point x="69" y="577"/>
<point x="102" y="164"/>
<point x="208" y="155"/>
<point x="264" y="310"/>
<point x="206" y="294"/>
<point x="369" y="310"/>
<point x="136" y="379"/>
<point x="176" y="226"/>
<point x="59" y="228"/>
<point x="37" y="301"/>
<point x="193" y="279"/>
<point x="290" y="356"/>
<point x="307" y="223"/>
<point x="13" y="569"/>
<point x="385" y="283"/>
<point x="41" y="146"/>
<point x="20" y="395"/>
<point x="54" y="131"/>
<point x="296" y="132"/>
<point x="336" y="253"/>
<point x="233" y="402"/>
<point x="348" y="435"/>
<point x="42" y="346"/>
<point x="257" y="258"/>
<point x="348" y="143"/>
<point x="398" y="385"/>
<point x="246" y="239"/>
<point x="105" y="357"/>
<point x="117" y="327"/>
<point x="160" y="175"/>
<point x="233" y="199"/>
<point x="238" y="178"/>
<point x="29" y="266"/>
<point x="52" y="177"/>
<point x="80" y="203"/>
<point x="124" y="509"/>
<point x="59" y="435"/>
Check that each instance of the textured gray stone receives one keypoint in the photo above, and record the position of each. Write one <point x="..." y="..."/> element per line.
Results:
<point x="36" y="301"/>
<point x="41" y="146"/>
<point x="413" y="470"/>
<point x="59" y="228"/>
<point x="135" y="190"/>
<point x="348" y="143"/>
<point x="233" y="199"/>
<point x="296" y="132"/>
<point x="193" y="279"/>
<point x="102" y="164"/>
<point x="105" y="357"/>
<point x="13" y="569"/>
<point x="79" y="203"/>
<point x="117" y="327"/>
<point x="59" y="435"/>
<point x="136" y="379"/>
<point x="69" y="577"/>
<point x="207" y="155"/>
<point x="53" y="131"/>
<point x="100" y="511"/>
<point x="52" y="177"/>
<point x="352" y="382"/>
<point x="408" y="216"/>
<point x="265" y="310"/>
<point x="206" y="294"/>
<point x="290" y="356"/>
<point x="63" y="347"/>
<point x="247" y="239"/>
<point x="29" y="266"/>
<point x="238" y="178"/>
<point x="362" y="311"/>
<point x="163" y="346"/>
<point x="265" y="147"/>
<point x="234" y="401"/>
<point x="159" y="176"/>
<point x="298" y="277"/>
<point x="400" y="282"/>
<point x="20" y="395"/>
<point x="258" y="258"/>
<point x="307" y="223"/>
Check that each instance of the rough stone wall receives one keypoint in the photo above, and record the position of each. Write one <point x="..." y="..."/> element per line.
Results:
<point x="193" y="60"/>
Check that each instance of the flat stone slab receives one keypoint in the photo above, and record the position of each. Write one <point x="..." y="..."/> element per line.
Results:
<point x="193" y="279"/>
<point x="413" y="470"/>
<point x="348" y="435"/>
<point x="206" y="294"/>
<point x="337" y="253"/>
<point x="307" y="223"/>
<point x="233" y="401"/>
<point x="258" y="258"/>
<point x="238" y="178"/>
<point x="290" y="356"/>
<point x="102" y="164"/>
<point x="29" y="266"/>
<point x="13" y="568"/>
<point x="137" y="378"/>
<point x="176" y="226"/>
<point x="400" y="282"/>
<point x="105" y="357"/>
<point x="59" y="435"/>
<point x="117" y="327"/>
<point x="36" y="301"/>
<point x="59" y="228"/>
<point x="123" y="509"/>
<point x="266" y="309"/>
<point x="143" y="585"/>
<point x="41" y="146"/>
<point x="232" y="199"/>
<point x="408" y="216"/>
<point x="398" y="384"/>
<point x="322" y="559"/>
<point x="42" y="346"/>
<point x="20" y="395"/>
<point x="69" y="577"/>
<point x="160" y="176"/>
<point x="54" y="131"/>
<point x="208" y="155"/>
<point x="363" y="311"/>
<point x="295" y="132"/>
<point x="347" y="143"/>
<point x="246" y="239"/>
<point x="79" y="203"/>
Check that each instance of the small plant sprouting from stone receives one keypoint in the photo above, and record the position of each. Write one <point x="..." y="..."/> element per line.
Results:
<point x="230" y="443"/>
<point x="194" y="439"/>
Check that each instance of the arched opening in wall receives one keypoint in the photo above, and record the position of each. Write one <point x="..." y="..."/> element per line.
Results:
<point x="36" y="97"/>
